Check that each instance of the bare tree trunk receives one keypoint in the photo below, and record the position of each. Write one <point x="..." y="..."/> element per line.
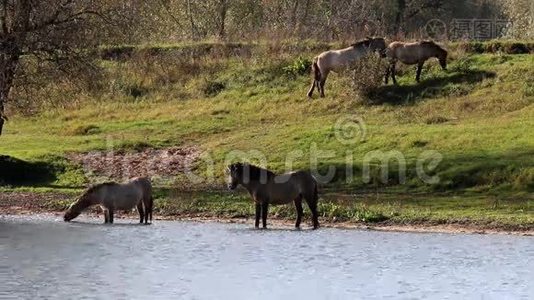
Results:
<point x="306" y="11"/>
<point x="223" y="9"/>
<point x="399" y="17"/>
<point x="301" y="22"/>
<point x="9" y="50"/>
<point x="191" y="20"/>
<point x="8" y="66"/>
<point x="294" y="14"/>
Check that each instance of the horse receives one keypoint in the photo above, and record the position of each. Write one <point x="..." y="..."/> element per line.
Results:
<point x="339" y="60"/>
<point x="267" y="188"/>
<point x="113" y="196"/>
<point x="413" y="53"/>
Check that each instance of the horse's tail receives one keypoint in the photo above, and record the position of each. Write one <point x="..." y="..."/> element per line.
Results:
<point x="316" y="71"/>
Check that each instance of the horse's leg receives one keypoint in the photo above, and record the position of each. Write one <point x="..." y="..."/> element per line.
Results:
<point x="419" y="69"/>
<point x="393" y="67"/>
<point x="110" y="211"/>
<point x="264" y="212"/>
<point x="388" y="70"/>
<point x="321" y="85"/>
<point x="315" y="214"/>
<point x="146" y="202"/>
<point x="151" y="207"/>
<point x="312" y="204"/>
<point x="298" y="206"/>
<point x="312" y="88"/>
<point x="106" y="216"/>
<point x="258" y="213"/>
<point x="141" y="211"/>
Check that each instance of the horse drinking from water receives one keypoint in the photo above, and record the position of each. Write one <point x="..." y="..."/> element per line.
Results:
<point x="413" y="53"/>
<point x="113" y="196"/>
<point x="267" y="188"/>
<point x="339" y="60"/>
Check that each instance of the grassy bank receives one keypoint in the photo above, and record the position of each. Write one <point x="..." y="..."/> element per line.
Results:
<point x="478" y="116"/>
<point x="441" y="212"/>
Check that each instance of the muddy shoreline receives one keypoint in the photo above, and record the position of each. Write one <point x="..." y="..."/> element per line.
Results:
<point x="31" y="204"/>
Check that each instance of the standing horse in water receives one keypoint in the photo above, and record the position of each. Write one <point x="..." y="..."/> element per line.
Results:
<point x="267" y="188"/>
<point x="113" y="196"/>
<point x="413" y="53"/>
<point x="338" y="60"/>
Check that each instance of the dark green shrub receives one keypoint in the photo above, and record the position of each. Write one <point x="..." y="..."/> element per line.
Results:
<point x="212" y="88"/>
<point x="301" y="66"/>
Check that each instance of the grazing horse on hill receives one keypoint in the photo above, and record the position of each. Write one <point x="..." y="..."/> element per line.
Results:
<point x="413" y="53"/>
<point x="339" y="60"/>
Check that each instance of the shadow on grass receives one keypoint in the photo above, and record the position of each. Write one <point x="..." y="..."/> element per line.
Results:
<point x="457" y="84"/>
<point x="17" y="172"/>
<point x="512" y="170"/>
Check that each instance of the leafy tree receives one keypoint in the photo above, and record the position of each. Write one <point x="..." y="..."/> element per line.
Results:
<point x="47" y="31"/>
<point x="521" y="13"/>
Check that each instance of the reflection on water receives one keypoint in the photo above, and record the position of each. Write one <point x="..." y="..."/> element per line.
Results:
<point x="45" y="257"/>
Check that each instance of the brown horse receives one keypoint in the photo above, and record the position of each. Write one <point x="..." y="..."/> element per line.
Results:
<point x="267" y="188"/>
<point x="339" y="60"/>
<point x="413" y="53"/>
<point x="113" y="196"/>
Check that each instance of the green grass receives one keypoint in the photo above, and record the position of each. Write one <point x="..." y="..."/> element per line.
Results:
<point x="369" y="208"/>
<point x="478" y="116"/>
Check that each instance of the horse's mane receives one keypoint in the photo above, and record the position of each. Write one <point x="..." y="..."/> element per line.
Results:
<point x="99" y="185"/>
<point x="428" y="42"/>
<point x="432" y="43"/>
<point x="255" y="172"/>
<point x="364" y="42"/>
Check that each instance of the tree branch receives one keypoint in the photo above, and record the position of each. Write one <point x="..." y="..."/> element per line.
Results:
<point x="3" y="17"/>
<point x="54" y="21"/>
<point x="168" y="10"/>
<point x="425" y="5"/>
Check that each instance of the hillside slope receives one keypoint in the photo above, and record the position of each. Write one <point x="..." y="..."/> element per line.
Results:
<point x="476" y="120"/>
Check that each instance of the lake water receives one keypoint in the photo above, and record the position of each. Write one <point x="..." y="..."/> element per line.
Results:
<point x="43" y="257"/>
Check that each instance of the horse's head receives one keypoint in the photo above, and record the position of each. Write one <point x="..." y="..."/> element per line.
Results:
<point x="436" y="51"/>
<point x="377" y="45"/>
<point x="442" y="57"/>
<point x="72" y="212"/>
<point x="244" y="173"/>
<point x="77" y="207"/>
<point x="234" y="172"/>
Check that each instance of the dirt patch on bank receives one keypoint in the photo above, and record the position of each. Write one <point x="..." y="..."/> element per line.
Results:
<point x="123" y="164"/>
<point x="31" y="202"/>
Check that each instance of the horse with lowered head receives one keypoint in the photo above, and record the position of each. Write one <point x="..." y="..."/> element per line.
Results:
<point x="113" y="196"/>
<point x="413" y="53"/>
<point x="339" y="60"/>
<point x="267" y="188"/>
